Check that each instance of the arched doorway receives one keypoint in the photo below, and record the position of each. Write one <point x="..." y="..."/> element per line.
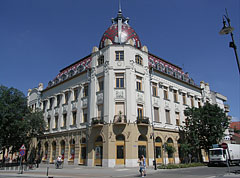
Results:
<point x="62" y="149"/>
<point x="98" y="151"/>
<point x="158" y="147"/>
<point x="72" y="150"/>
<point x="142" y="147"/>
<point x="120" y="150"/>
<point x="45" y="151"/>
<point x="170" y="153"/>
<point x="83" y="151"/>
<point x="53" y="152"/>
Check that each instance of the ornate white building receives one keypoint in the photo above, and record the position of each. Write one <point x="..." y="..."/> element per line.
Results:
<point x="117" y="103"/>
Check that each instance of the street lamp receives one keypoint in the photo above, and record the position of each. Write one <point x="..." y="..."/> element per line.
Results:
<point x="226" y="30"/>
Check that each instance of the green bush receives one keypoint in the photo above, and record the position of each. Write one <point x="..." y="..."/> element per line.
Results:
<point x="176" y="166"/>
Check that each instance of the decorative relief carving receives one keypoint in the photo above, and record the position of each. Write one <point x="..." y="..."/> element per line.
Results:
<point x="119" y="94"/>
<point x="84" y="103"/>
<point x="100" y="98"/>
<point x="155" y="101"/>
<point x="139" y="97"/>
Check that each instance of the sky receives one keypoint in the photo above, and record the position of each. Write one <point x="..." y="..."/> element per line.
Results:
<point x="38" y="38"/>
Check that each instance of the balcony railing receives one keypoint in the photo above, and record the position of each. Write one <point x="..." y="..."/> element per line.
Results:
<point x="120" y="119"/>
<point x="97" y="121"/>
<point x="142" y="120"/>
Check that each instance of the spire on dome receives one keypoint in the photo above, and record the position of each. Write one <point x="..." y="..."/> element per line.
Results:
<point x="119" y="6"/>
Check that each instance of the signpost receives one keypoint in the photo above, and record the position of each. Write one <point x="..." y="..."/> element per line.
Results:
<point x="22" y="152"/>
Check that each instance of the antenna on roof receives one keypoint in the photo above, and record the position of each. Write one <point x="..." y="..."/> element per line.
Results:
<point x="119" y="6"/>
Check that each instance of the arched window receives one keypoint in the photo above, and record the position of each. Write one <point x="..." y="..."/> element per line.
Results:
<point x="138" y="60"/>
<point x="72" y="149"/>
<point x="158" y="140"/>
<point x="99" y="139"/>
<point x="169" y="140"/>
<point x="142" y="138"/>
<point x="83" y="140"/>
<point x="120" y="137"/>
<point x="62" y="148"/>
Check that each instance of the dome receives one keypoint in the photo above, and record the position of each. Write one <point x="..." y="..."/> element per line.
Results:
<point x="120" y="32"/>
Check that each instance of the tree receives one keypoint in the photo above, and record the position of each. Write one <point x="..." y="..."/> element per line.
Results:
<point x="17" y="123"/>
<point x="204" y="127"/>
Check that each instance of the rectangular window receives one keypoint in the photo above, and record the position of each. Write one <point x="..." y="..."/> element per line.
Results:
<point x="140" y="111"/>
<point x="100" y="110"/>
<point x="64" y="123"/>
<point x="44" y="105"/>
<point x="177" y="118"/>
<point x="138" y="60"/>
<point x="192" y="101"/>
<point x="85" y="115"/>
<point x="184" y="98"/>
<point x="101" y="60"/>
<point x="48" y="123"/>
<point x="51" y="103"/>
<point x="58" y="100"/>
<point x="156" y="114"/>
<point x="119" y="80"/>
<point x="165" y="93"/>
<point x="139" y="83"/>
<point x="74" y="118"/>
<point x="154" y="89"/>
<point x="175" y="96"/>
<point x="85" y="91"/>
<point x="66" y="97"/>
<point x="199" y="103"/>
<point x="56" y="122"/>
<point x="119" y="108"/>
<point x="100" y="84"/>
<point x="119" y="55"/>
<point x="168" y="121"/>
<point x="76" y="92"/>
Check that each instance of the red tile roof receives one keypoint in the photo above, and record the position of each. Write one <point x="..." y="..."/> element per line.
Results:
<point x="235" y="125"/>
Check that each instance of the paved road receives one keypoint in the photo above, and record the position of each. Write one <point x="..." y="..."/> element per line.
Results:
<point x="99" y="172"/>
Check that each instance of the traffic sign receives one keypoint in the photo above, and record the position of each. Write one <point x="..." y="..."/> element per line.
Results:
<point x="224" y="146"/>
<point x="23" y="147"/>
<point x="22" y="152"/>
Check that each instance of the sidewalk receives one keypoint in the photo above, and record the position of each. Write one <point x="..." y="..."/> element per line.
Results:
<point x="78" y="171"/>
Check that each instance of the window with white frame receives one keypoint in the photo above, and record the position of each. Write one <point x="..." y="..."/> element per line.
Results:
<point x="101" y="60"/>
<point x="140" y="111"/>
<point x="154" y="89"/>
<point x="138" y="60"/>
<point x="177" y="118"/>
<point x="156" y="114"/>
<point x="100" y="84"/>
<point x="175" y="96"/>
<point x="168" y="119"/>
<point x="119" y="55"/>
<point x="139" y="83"/>
<point x="119" y="80"/>
<point x="165" y="93"/>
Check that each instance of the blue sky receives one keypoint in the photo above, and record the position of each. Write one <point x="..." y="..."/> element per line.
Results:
<point x="40" y="37"/>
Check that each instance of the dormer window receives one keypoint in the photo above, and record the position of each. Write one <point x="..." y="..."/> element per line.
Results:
<point x="138" y="60"/>
<point x="101" y="60"/>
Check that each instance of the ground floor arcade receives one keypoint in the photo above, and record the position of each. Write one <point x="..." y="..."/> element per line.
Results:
<point x="110" y="145"/>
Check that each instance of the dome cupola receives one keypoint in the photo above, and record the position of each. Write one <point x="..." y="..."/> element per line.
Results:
<point x="120" y="32"/>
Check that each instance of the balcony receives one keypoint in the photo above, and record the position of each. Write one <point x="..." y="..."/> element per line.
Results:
<point x="144" y="121"/>
<point x="97" y="121"/>
<point x="120" y="119"/>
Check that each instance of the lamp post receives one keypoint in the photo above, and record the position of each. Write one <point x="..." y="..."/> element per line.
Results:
<point x="226" y="30"/>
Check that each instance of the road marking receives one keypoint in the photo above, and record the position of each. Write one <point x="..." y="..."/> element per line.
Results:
<point x="122" y="169"/>
<point x="211" y="177"/>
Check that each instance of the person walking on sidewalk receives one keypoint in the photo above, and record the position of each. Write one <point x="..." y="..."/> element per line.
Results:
<point x="142" y="166"/>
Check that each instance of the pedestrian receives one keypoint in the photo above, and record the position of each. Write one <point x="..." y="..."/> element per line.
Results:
<point x="144" y="165"/>
<point x="141" y="167"/>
